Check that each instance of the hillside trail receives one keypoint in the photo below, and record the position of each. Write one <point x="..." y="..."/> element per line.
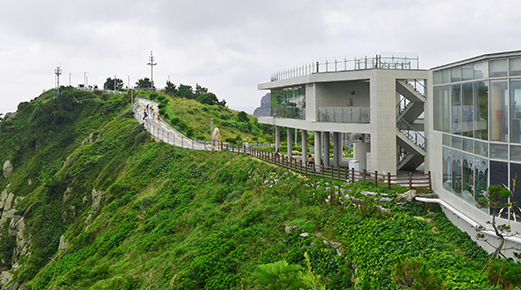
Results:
<point x="161" y="130"/>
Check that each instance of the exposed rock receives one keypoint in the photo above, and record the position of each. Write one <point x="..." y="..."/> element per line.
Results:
<point x="97" y="198"/>
<point x="409" y="195"/>
<point x="8" y="169"/>
<point x="265" y="108"/>
<point x="339" y="252"/>
<point x="366" y="193"/>
<point x="290" y="229"/>
<point x="432" y="214"/>
<point x="63" y="243"/>
<point x="29" y="182"/>
<point x="3" y="197"/>
<point x="304" y="235"/>
<point x="85" y="200"/>
<point x="6" y="277"/>
<point x="88" y="220"/>
<point x="8" y="202"/>
<point x="9" y="116"/>
<point x="385" y="199"/>
<point x="334" y="245"/>
<point x="67" y="194"/>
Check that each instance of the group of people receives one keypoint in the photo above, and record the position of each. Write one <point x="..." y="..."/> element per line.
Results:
<point x="147" y="110"/>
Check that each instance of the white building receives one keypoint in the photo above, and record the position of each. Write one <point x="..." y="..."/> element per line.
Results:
<point x="462" y="121"/>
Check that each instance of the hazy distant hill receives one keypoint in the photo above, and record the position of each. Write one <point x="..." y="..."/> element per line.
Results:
<point x="264" y="110"/>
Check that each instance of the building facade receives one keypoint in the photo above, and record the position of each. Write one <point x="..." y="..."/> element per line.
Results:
<point x="460" y="121"/>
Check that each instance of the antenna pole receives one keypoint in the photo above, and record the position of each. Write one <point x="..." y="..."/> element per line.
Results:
<point x="151" y="64"/>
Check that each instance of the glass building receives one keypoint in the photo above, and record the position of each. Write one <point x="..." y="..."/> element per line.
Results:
<point x="476" y="107"/>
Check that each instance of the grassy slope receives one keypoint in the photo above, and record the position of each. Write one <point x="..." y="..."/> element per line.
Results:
<point x="182" y="219"/>
<point x="197" y="116"/>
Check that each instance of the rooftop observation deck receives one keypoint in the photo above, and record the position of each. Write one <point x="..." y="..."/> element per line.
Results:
<point x="402" y="61"/>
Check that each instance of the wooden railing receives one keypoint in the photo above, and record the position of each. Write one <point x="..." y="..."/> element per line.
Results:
<point x="344" y="174"/>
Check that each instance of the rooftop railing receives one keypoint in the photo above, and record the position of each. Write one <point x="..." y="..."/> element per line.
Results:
<point x="379" y="60"/>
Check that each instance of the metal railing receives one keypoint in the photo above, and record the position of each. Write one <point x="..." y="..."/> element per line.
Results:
<point x="379" y="60"/>
<point x="415" y="136"/>
<point x="344" y="114"/>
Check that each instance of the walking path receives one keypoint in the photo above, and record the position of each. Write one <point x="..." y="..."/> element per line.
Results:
<point x="161" y="130"/>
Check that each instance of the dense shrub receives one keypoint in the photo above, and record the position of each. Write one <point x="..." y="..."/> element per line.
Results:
<point x="153" y="96"/>
<point x="505" y="272"/>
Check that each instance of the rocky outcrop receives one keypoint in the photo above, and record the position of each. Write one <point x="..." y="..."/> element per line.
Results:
<point x="89" y="140"/>
<point x="97" y="199"/>
<point x="8" y="169"/>
<point x="265" y="108"/>
<point x="9" y="116"/>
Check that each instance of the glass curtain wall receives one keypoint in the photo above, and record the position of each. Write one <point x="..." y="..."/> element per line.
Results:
<point x="515" y="110"/>
<point x="499" y="110"/>
<point x="289" y="102"/>
<point x="481" y="110"/>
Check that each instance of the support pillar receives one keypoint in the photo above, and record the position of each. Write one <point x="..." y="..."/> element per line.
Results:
<point x="337" y="149"/>
<point x="360" y="153"/>
<point x="318" y="147"/>
<point x="290" y="143"/>
<point x="304" y="146"/>
<point x="277" y="138"/>
<point x="327" y="149"/>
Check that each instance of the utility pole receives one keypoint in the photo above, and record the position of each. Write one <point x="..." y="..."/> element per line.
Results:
<point x="70" y="79"/>
<point x="58" y="72"/>
<point x="151" y="64"/>
<point x="85" y="81"/>
<point x="115" y="77"/>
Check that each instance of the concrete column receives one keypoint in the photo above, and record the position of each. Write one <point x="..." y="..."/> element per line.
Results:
<point x="318" y="147"/>
<point x="360" y="153"/>
<point x="337" y="149"/>
<point x="327" y="149"/>
<point x="290" y="143"/>
<point x="304" y="146"/>
<point x="277" y="138"/>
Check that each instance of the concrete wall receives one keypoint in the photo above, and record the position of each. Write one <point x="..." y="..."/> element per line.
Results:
<point x="338" y="94"/>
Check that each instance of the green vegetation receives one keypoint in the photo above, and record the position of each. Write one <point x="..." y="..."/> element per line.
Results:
<point x="140" y="214"/>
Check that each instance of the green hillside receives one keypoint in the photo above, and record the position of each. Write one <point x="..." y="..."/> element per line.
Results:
<point x="134" y="213"/>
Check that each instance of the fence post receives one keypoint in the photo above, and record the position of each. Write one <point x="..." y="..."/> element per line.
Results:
<point x="430" y="183"/>
<point x="322" y="169"/>
<point x="353" y="175"/>
<point x="388" y="180"/>
<point x="364" y="174"/>
<point x="314" y="170"/>
<point x="332" y="170"/>
<point x="376" y="178"/>
<point x="410" y="180"/>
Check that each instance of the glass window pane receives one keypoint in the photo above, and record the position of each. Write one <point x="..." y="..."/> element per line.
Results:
<point x="499" y="151"/>
<point x="515" y="110"/>
<point x="456" y="142"/>
<point x="437" y="111"/>
<point x="515" y="66"/>
<point x="447" y="163"/>
<point x="480" y="179"/>
<point x="457" y="181"/>
<point x="515" y="155"/>
<point x="456" y="109"/>
<point x="436" y="76"/>
<point x="468" y="145"/>
<point x="516" y="197"/>
<point x="499" y="175"/>
<point x="481" y="110"/>
<point x="446" y="109"/>
<point x="499" y="110"/>
<point x="467" y="125"/>
<point x="445" y="76"/>
<point x="447" y="140"/>
<point x="481" y="70"/>
<point x="498" y="68"/>
<point x="467" y="192"/>
<point x="455" y="74"/>
<point x="481" y="148"/>
<point x="467" y="72"/>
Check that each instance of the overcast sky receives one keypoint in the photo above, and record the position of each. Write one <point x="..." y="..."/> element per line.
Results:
<point x="230" y="46"/>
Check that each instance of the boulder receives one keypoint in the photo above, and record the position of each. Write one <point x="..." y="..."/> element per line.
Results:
<point x="97" y="198"/>
<point x="8" y="169"/>
<point x="409" y="195"/>
<point x="67" y="194"/>
<point x="6" y="277"/>
<point x="63" y="243"/>
<point x="3" y="197"/>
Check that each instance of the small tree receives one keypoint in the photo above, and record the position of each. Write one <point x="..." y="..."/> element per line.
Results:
<point x="170" y="88"/>
<point x="497" y="200"/>
<point x="144" y="83"/>
<point x="110" y="82"/>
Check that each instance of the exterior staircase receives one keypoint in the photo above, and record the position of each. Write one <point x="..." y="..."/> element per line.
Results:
<point x="411" y="141"/>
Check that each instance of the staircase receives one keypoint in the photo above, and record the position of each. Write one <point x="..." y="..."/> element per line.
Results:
<point x="411" y="141"/>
